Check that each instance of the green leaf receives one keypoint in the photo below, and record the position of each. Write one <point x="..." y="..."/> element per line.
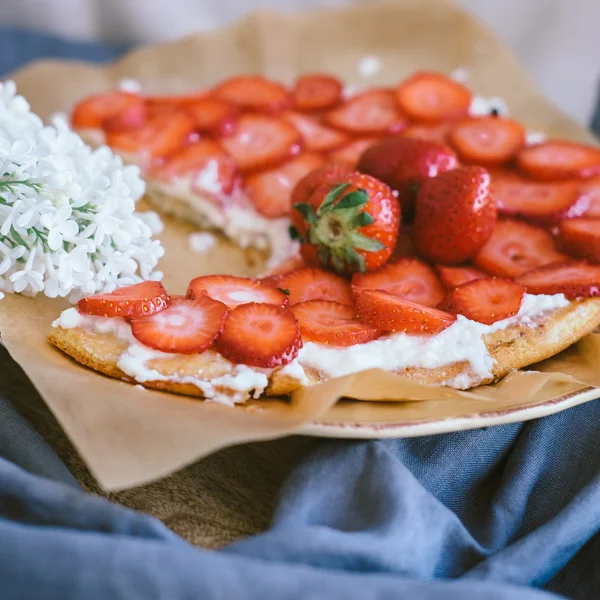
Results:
<point x="307" y="211"/>
<point x="338" y="263"/>
<point x="356" y="198"/>
<point x="365" y="243"/>
<point x="362" y="220"/>
<point x="355" y="260"/>
<point x="324" y="255"/>
<point x="332" y="196"/>
<point x="18" y="237"/>
<point x="284" y="291"/>
<point x="294" y="233"/>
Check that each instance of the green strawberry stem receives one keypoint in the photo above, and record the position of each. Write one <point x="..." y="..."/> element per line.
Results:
<point x="333" y="229"/>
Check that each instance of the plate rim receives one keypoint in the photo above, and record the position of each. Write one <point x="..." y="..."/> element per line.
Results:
<point x="404" y="429"/>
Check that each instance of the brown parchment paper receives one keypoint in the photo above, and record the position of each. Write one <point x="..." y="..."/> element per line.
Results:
<point x="128" y="435"/>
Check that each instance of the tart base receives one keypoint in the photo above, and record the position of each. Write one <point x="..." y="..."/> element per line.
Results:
<point x="512" y="348"/>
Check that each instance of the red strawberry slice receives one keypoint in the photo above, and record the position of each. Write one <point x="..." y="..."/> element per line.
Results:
<point x="138" y="300"/>
<point x="558" y="159"/>
<point x="351" y="153"/>
<point x="454" y="276"/>
<point x="404" y="164"/>
<point x="455" y="215"/>
<point x="591" y="189"/>
<point x="261" y="142"/>
<point x="95" y="110"/>
<point x="158" y="104"/>
<point x="407" y="278"/>
<point x="542" y="203"/>
<point x="432" y="97"/>
<point x="391" y="313"/>
<point x="487" y="141"/>
<point x="213" y="115"/>
<point x="260" y="335"/>
<point x="130" y="118"/>
<point x="573" y="279"/>
<point x="317" y="92"/>
<point x="256" y="93"/>
<point x="316" y="284"/>
<point x="315" y="136"/>
<point x="205" y="164"/>
<point x="371" y="113"/>
<point x="233" y="291"/>
<point x="581" y="238"/>
<point x="332" y="323"/>
<point x="185" y="327"/>
<point x="159" y="137"/>
<point x="432" y="133"/>
<point x="271" y="191"/>
<point x="485" y="300"/>
<point x="516" y="247"/>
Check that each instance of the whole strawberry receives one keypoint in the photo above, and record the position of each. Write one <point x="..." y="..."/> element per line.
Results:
<point x="404" y="164"/>
<point x="454" y="216"/>
<point x="351" y="226"/>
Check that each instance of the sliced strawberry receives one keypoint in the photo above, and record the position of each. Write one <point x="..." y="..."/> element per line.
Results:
<point x="485" y="300"/>
<point x="557" y="159"/>
<point x="174" y="101"/>
<point x="407" y="278"/>
<point x="95" y="110"/>
<point x="454" y="276"/>
<point x="271" y="191"/>
<point x="432" y="97"/>
<point x="185" y="327"/>
<point x="581" y="238"/>
<point x="351" y="153"/>
<point x="316" y="284"/>
<point x="213" y="115"/>
<point x="260" y="335"/>
<point x="371" y="113"/>
<point x="233" y="291"/>
<point x="542" y="203"/>
<point x="317" y="92"/>
<point x="256" y="93"/>
<point x="432" y="133"/>
<point x="487" y="141"/>
<point x="205" y="164"/>
<point x="138" y="300"/>
<point x="591" y="189"/>
<point x="159" y="137"/>
<point x="387" y="312"/>
<point x="260" y="142"/>
<point x="573" y="279"/>
<point x="516" y="247"/>
<point x="332" y="323"/>
<point x="315" y="136"/>
<point x="131" y="118"/>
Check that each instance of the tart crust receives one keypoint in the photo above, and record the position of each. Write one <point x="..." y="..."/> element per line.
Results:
<point x="512" y="348"/>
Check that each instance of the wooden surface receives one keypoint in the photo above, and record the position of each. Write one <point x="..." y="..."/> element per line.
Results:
<point x="225" y="497"/>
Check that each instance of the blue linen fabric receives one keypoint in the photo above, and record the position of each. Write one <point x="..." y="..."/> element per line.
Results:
<point x="503" y="513"/>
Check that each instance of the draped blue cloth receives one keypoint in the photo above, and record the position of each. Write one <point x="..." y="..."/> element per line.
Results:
<point x="510" y="512"/>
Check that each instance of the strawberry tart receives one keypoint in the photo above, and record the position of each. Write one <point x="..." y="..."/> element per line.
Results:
<point x="433" y="243"/>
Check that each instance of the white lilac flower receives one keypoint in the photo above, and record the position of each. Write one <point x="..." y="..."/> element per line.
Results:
<point x="68" y="225"/>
